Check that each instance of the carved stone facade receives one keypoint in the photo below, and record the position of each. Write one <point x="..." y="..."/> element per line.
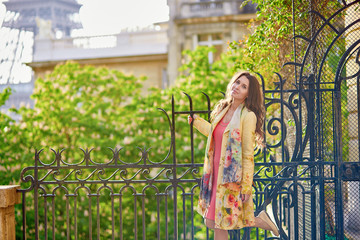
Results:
<point x="211" y="23"/>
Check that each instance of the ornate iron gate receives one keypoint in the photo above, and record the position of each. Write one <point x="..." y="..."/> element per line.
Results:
<point x="307" y="175"/>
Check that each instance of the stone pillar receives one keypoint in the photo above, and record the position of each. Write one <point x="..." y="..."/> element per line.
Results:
<point x="174" y="35"/>
<point x="8" y="198"/>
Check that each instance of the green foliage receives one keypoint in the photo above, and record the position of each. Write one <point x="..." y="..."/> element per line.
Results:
<point x="12" y="155"/>
<point x="328" y="237"/>
<point x="269" y="45"/>
<point x="79" y="106"/>
<point x="10" y="135"/>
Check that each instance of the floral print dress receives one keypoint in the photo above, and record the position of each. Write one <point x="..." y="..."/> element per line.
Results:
<point x="230" y="211"/>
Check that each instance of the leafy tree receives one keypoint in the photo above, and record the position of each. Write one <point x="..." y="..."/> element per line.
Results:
<point x="12" y="141"/>
<point x="79" y="106"/>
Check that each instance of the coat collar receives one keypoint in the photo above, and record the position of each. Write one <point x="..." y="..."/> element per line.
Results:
<point x="221" y="115"/>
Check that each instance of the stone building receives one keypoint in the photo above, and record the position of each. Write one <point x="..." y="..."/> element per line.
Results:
<point x="142" y="53"/>
<point x="154" y="52"/>
<point x="209" y="23"/>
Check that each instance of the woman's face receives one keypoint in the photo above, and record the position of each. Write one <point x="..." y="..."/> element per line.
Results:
<point x="240" y="89"/>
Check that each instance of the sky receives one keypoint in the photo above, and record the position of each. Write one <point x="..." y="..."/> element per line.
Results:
<point x="111" y="16"/>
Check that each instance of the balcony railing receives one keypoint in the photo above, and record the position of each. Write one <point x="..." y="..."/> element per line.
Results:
<point x="214" y="8"/>
<point x="131" y="43"/>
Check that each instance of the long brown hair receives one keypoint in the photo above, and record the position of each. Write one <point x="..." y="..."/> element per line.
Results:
<point x="254" y="101"/>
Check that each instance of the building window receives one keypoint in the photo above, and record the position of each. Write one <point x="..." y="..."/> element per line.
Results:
<point x="213" y="39"/>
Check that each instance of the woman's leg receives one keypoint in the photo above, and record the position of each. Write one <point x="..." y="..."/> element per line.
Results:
<point x="210" y="223"/>
<point x="219" y="234"/>
<point x="263" y="221"/>
<point x="259" y="223"/>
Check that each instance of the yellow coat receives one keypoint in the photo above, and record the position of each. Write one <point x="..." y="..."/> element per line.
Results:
<point x="230" y="211"/>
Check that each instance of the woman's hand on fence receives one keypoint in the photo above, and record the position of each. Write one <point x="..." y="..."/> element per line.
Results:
<point x="190" y="119"/>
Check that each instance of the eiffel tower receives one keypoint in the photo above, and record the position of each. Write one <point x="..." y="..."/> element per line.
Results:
<point x="21" y="25"/>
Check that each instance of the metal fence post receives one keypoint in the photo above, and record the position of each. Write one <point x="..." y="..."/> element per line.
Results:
<point x="8" y="198"/>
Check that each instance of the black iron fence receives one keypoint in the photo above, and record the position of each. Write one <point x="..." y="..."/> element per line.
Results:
<point x="115" y="199"/>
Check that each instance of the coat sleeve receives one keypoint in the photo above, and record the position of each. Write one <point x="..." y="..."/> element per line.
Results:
<point x="248" y="142"/>
<point x="202" y="125"/>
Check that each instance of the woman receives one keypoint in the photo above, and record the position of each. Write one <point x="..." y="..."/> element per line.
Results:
<point x="226" y="185"/>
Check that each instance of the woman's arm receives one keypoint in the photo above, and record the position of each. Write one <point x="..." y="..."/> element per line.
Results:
<point x="248" y="142"/>
<point x="201" y="125"/>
